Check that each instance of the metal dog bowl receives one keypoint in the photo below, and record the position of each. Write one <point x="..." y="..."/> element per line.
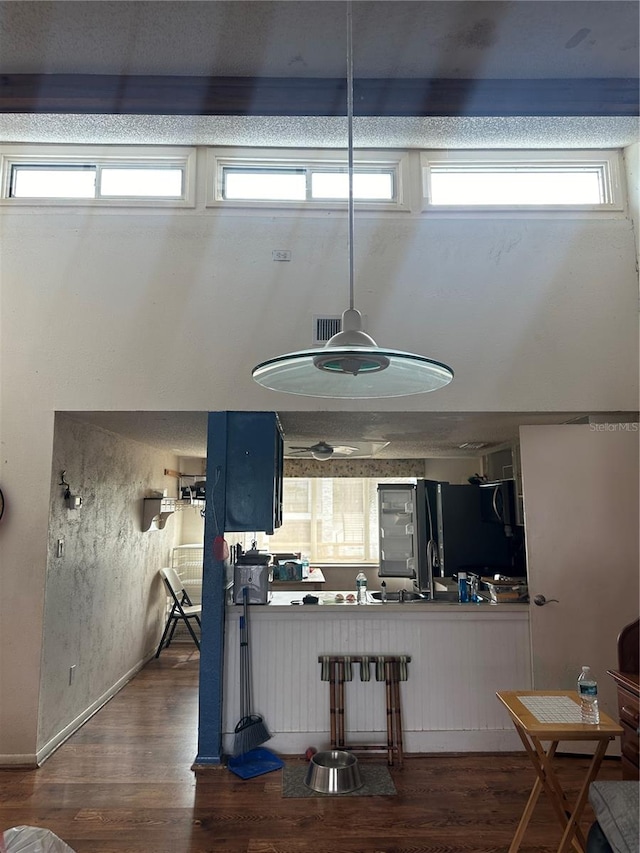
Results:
<point x="333" y="772"/>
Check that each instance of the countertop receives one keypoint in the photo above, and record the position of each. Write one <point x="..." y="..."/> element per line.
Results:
<point x="282" y="600"/>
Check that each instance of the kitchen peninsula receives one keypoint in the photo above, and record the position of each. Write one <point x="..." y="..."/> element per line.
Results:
<point x="461" y="654"/>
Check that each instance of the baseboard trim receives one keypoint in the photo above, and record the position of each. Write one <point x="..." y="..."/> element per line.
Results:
<point x="495" y="740"/>
<point x="57" y="740"/>
<point x="202" y="763"/>
<point x="27" y="761"/>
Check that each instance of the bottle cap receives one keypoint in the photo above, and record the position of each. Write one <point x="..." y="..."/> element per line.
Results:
<point x="462" y="576"/>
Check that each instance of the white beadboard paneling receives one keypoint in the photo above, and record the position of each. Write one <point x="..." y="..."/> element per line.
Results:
<point x="460" y="657"/>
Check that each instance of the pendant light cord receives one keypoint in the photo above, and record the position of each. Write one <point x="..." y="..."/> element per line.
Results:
<point x="350" y="147"/>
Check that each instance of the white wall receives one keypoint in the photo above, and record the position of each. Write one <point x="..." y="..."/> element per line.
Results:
<point x="130" y="311"/>
<point x="450" y="470"/>
<point x="26" y="438"/>
<point x="183" y="307"/>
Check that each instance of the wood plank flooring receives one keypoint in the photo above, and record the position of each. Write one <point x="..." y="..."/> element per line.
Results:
<point x="124" y="784"/>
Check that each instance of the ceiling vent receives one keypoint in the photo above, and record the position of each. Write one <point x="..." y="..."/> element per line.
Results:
<point x="472" y="445"/>
<point x="325" y="328"/>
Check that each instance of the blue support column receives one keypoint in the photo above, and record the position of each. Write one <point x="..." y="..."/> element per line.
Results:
<point x="243" y="492"/>
<point x="213" y="597"/>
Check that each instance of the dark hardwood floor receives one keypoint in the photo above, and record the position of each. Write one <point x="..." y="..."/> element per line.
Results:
<point x="124" y="784"/>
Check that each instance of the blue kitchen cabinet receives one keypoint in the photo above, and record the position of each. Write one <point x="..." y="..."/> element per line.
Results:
<point x="248" y="453"/>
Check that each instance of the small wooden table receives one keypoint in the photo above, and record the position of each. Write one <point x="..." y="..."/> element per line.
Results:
<point x="550" y="716"/>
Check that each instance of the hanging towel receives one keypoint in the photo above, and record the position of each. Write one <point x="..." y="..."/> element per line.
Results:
<point x="325" y="669"/>
<point x="365" y="670"/>
<point x="348" y="668"/>
<point x="380" y="674"/>
<point x="403" y="668"/>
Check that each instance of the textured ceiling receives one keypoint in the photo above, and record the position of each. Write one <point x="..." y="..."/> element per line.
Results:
<point x="439" y="132"/>
<point x="481" y="39"/>
<point x="411" y="435"/>
<point x="518" y="38"/>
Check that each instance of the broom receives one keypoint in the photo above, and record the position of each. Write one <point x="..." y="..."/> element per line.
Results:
<point x="250" y="730"/>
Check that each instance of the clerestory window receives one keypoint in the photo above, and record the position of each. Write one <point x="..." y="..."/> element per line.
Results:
<point x="521" y="180"/>
<point x="79" y="175"/>
<point x="278" y="177"/>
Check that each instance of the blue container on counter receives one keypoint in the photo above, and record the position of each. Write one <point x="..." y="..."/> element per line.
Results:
<point x="463" y="588"/>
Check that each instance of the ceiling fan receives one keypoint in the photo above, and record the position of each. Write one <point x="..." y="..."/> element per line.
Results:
<point x="322" y="450"/>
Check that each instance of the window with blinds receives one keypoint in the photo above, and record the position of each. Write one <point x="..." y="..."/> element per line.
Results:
<point x="332" y="520"/>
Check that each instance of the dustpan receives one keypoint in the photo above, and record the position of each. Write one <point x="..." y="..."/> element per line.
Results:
<point x="254" y="763"/>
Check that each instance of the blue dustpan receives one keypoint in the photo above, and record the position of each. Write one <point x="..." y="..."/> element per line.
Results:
<point x="254" y="763"/>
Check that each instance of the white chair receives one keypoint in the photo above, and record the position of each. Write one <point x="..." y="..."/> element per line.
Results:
<point x="182" y="610"/>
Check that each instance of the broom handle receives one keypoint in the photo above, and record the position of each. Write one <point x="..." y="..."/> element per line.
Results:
<point x="245" y="600"/>
<point x="247" y="692"/>
<point x="244" y="707"/>
<point x="241" y="653"/>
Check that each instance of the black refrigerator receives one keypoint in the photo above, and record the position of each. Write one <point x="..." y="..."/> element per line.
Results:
<point x="431" y="529"/>
<point x="459" y="534"/>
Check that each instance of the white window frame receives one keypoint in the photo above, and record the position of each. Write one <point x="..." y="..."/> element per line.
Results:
<point x="370" y="535"/>
<point x="371" y="539"/>
<point x="99" y="156"/>
<point x="284" y="158"/>
<point x="607" y="161"/>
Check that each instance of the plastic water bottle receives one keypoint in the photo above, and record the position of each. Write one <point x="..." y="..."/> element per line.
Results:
<point x="463" y="589"/>
<point x="473" y="589"/>
<point x="588" y="692"/>
<point x="304" y="559"/>
<point x="361" y="588"/>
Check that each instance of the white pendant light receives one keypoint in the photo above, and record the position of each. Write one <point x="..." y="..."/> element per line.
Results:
<point x="351" y="365"/>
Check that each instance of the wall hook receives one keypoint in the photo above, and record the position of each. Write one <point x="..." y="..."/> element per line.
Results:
<point x="73" y="501"/>
<point x="64" y="483"/>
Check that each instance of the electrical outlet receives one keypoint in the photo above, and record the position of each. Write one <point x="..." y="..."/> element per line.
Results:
<point x="281" y="255"/>
<point x="72" y="674"/>
<point x="60" y="548"/>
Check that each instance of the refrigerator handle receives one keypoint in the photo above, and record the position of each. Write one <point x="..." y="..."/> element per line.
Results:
<point x="494" y="502"/>
<point x="433" y="560"/>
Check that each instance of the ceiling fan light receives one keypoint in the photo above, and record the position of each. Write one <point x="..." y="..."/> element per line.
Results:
<point x="322" y="453"/>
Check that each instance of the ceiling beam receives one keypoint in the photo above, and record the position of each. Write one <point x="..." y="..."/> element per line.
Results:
<point x="286" y="96"/>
